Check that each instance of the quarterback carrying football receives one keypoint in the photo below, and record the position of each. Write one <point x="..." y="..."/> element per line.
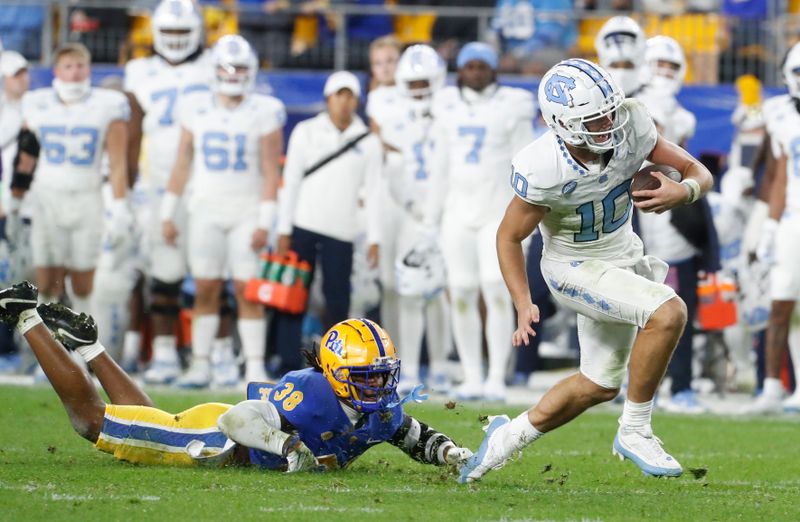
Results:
<point x="574" y="182"/>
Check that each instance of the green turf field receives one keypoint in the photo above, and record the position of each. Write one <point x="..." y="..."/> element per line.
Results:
<point x="746" y="470"/>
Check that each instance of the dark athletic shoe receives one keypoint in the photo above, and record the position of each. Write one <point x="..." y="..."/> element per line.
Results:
<point x="15" y="300"/>
<point x="73" y="330"/>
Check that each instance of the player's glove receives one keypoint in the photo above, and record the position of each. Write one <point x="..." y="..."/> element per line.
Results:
<point x="120" y="222"/>
<point x="456" y="456"/>
<point x="300" y="458"/>
<point x="765" y="251"/>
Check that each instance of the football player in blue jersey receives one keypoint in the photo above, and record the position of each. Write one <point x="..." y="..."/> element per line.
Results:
<point x="322" y="417"/>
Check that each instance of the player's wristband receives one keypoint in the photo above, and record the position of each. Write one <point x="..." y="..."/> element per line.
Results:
<point x="694" y="190"/>
<point x="169" y="204"/>
<point x="266" y="214"/>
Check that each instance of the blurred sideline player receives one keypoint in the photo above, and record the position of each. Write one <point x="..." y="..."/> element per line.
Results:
<point x="231" y="142"/>
<point x="574" y="183"/>
<point x="667" y="63"/>
<point x="323" y="417"/>
<point x="74" y="124"/>
<point x="478" y="126"/>
<point x="384" y="55"/>
<point x="15" y="203"/>
<point x="405" y="129"/>
<point x="155" y="85"/>
<point x="621" y="47"/>
<point x="778" y="244"/>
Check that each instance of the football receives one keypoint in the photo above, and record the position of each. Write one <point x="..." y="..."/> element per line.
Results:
<point x="645" y="180"/>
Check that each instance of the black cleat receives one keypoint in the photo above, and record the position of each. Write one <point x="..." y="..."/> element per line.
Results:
<point x="73" y="330"/>
<point x="15" y="300"/>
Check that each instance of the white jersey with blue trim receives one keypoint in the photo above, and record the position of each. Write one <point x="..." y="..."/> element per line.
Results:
<point x="590" y="212"/>
<point x="410" y="133"/>
<point x="783" y="125"/>
<point x="677" y="123"/>
<point x="227" y="175"/>
<point x="158" y="88"/>
<point x="72" y="136"/>
<point x="475" y="141"/>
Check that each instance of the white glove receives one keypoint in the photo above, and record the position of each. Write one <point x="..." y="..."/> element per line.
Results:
<point x="455" y="456"/>
<point x="765" y="251"/>
<point x="120" y="222"/>
<point x="301" y="458"/>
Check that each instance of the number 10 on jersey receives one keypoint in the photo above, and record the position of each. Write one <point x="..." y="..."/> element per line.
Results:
<point x="610" y="203"/>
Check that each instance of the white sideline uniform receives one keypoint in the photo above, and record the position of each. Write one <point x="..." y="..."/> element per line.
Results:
<point x="65" y="194"/>
<point x="227" y="181"/>
<point x="783" y="126"/>
<point x="474" y="146"/>
<point x="407" y="185"/>
<point x="159" y="88"/>
<point x="383" y="107"/>
<point x="593" y="261"/>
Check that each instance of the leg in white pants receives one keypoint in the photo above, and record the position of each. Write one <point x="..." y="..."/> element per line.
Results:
<point x="440" y="340"/>
<point x="499" y="329"/>
<point x="412" y="324"/>
<point x="467" y="333"/>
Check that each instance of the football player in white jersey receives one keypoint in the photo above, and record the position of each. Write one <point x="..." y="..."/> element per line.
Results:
<point x="621" y="46"/>
<point x="14" y="204"/>
<point x="667" y="65"/>
<point x="155" y="86"/>
<point x="383" y="104"/>
<point x="574" y="183"/>
<point x="74" y="123"/>
<point x="405" y="129"/>
<point x="231" y="141"/>
<point x="779" y="243"/>
<point x="478" y="126"/>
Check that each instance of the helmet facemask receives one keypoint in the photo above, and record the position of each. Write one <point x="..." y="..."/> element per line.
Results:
<point x="370" y="387"/>
<point x="578" y="134"/>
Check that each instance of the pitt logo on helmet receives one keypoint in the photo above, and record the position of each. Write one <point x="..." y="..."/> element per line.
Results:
<point x="359" y="360"/>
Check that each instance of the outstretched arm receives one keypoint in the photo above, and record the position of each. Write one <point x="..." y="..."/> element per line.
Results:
<point x="424" y="444"/>
<point x="258" y="425"/>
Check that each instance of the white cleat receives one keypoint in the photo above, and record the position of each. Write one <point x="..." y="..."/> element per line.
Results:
<point x="225" y="374"/>
<point x="255" y="373"/>
<point x="645" y="450"/>
<point x="162" y="372"/>
<point x="494" y="391"/>
<point x="405" y="386"/>
<point x="792" y="403"/>
<point x="439" y="383"/>
<point x="197" y="376"/>
<point x="765" y="405"/>
<point x="467" y="391"/>
<point x="491" y="453"/>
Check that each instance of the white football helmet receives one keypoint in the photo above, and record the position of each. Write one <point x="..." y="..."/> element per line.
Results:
<point x="235" y="66"/>
<point x="621" y="39"/>
<point x="177" y="15"/>
<point x="666" y="49"/>
<point x="791" y="70"/>
<point x="420" y="271"/>
<point x="420" y="62"/>
<point x="575" y="91"/>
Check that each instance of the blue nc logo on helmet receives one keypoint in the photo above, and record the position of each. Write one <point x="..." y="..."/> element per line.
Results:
<point x="557" y="89"/>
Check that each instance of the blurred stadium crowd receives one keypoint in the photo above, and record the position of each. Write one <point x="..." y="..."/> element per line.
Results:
<point x="372" y="204"/>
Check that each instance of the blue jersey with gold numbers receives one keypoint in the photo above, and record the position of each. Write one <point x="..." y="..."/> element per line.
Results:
<point x="305" y="399"/>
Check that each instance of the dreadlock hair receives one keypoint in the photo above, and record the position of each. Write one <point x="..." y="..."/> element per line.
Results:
<point x="312" y="359"/>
